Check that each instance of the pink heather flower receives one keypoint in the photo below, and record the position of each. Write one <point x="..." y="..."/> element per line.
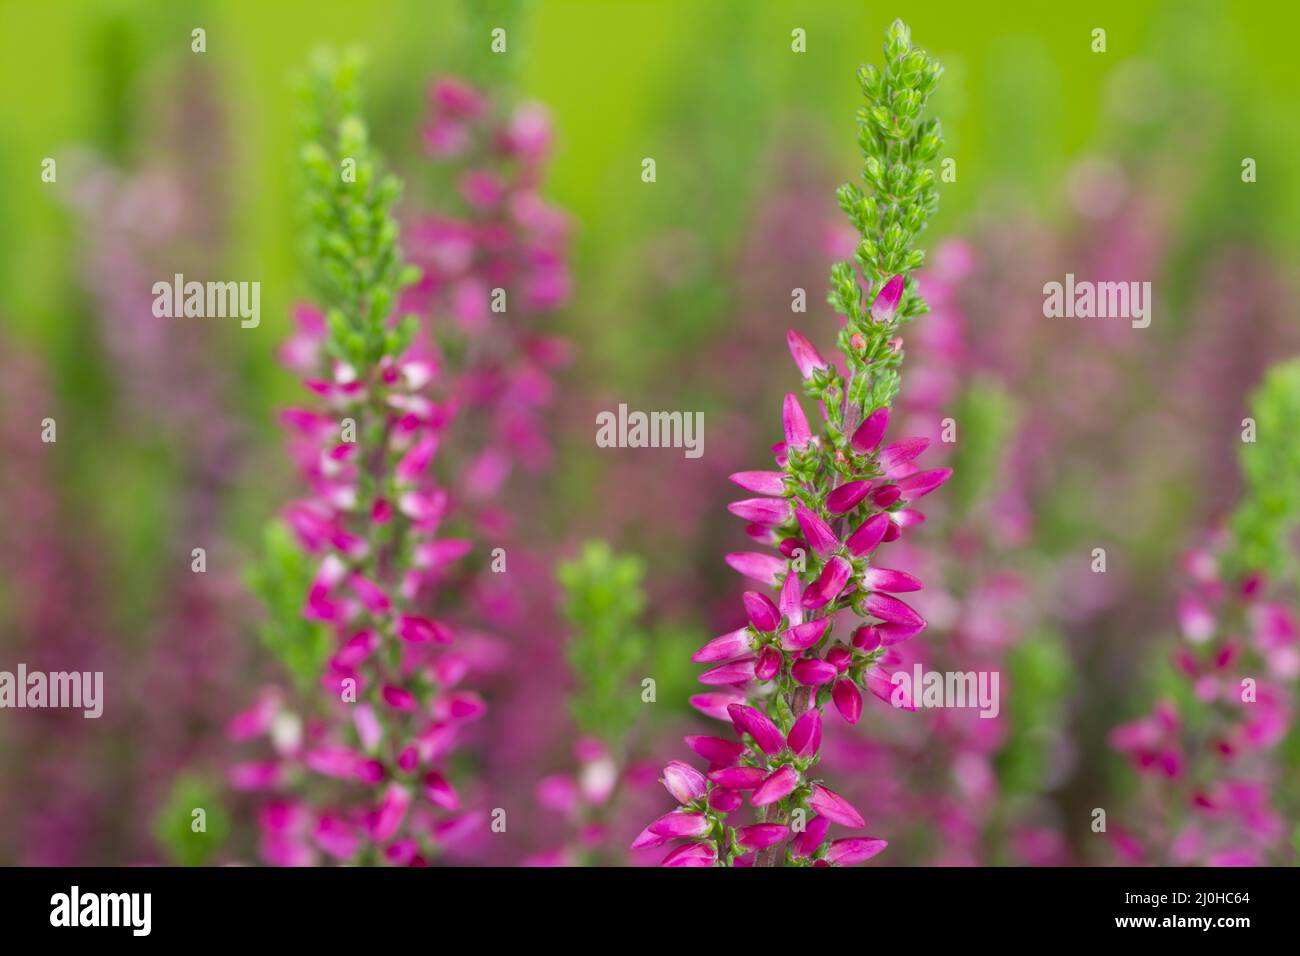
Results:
<point x="829" y="583"/>
<point x="715" y="705"/>
<point x="726" y="647"/>
<point x="869" y="434"/>
<point x="805" y="737"/>
<point x="806" y="843"/>
<point x="880" y="683"/>
<point x="681" y="824"/>
<point x="454" y="97"/>
<point x="736" y="672"/>
<point x="770" y="512"/>
<point x="388" y="587"/>
<point x="835" y="808"/>
<point x="848" y="700"/>
<point x="763" y="568"/>
<point x="762" y="482"/>
<point x="836" y="497"/>
<point x="795" y="423"/>
<point x="805" y="356"/>
<point x="762" y="835"/>
<point x="439" y="792"/>
<point x="852" y="850"/>
<point x="684" y="782"/>
<point x="758" y="725"/>
<point x="886" y="302"/>
<point x="763" y="614"/>
<point x="777" y="786"/>
<point x="769" y="662"/>
<point x="813" y="672"/>
<point x="692" y="854"/>
<point x="847" y="497"/>
<point x="738" y="778"/>
<point x="1220" y="737"/>
<point x="716" y="750"/>
<point x="725" y="801"/>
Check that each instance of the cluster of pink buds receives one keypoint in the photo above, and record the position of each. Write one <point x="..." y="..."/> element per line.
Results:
<point x="580" y="798"/>
<point x="1206" y="759"/>
<point x="359" y="776"/>
<point x="494" y="270"/>
<point x="838" y="496"/>
<point x="373" y="521"/>
<point x="826" y="637"/>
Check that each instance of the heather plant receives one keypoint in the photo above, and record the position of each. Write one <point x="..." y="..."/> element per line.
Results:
<point x="838" y="496"/>
<point x="494" y="260"/>
<point x="954" y="786"/>
<point x="53" y="611"/>
<point x="603" y="605"/>
<point x="358" y="776"/>
<point x="1212" y="753"/>
<point x="171" y="388"/>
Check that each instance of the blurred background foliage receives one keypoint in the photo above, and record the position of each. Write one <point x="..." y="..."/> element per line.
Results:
<point x="711" y="90"/>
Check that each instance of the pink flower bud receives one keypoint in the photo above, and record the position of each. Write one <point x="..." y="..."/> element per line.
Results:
<point x="760" y="836"/>
<point x="869" y="534"/>
<point x="831" y="805"/>
<point x="894" y="456"/>
<point x="869" y="434"/>
<point x="886" y="302"/>
<point x="768" y="665"/>
<point x="725" y="648"/>
<point x="805" y="737"/>
<point x="738" y="778"/>
<point x="805" y="356"/>
<point x="680" y="823"/>
<point x="758" y="725"/>
<point x="828" y="585"/>
<point x="813" y="672"/>
<point x="735" y="672"/>
<point x="716" y="750"/>
<point x="797" y="433"/>
<point x="776" y="786"/>
<point x="763" y="614"/>
<point x="847" y="497"/>
<point x="725" y="801"/>
<point x="684" y="782"/>
<point x="761" y="482"/>
<point x="852" y="850"/>
<point x="848" y="701"/>
<point x="817" y="531"/>
<point x="883" y="579"/>
<point x="692" y="855"/>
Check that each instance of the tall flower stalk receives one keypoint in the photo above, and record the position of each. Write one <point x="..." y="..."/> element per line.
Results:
<point x="838" y="496"/>
<point x="361" y="779"/>
<point x="1213" y="791"/>
<point x="603" y="604"/>
<point x="494" y="257"/>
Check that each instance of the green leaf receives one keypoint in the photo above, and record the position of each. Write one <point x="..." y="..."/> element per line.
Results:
<point x="603" y="603"/>
<point x="280" y="578"/>
<point x="1270" y="506"/>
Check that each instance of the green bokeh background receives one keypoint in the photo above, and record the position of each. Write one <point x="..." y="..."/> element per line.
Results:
<point x="1023" y="96"/>
<point x="706" y="87"/>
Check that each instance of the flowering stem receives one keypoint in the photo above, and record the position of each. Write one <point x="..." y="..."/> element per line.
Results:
<point x="838" y="496"/>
